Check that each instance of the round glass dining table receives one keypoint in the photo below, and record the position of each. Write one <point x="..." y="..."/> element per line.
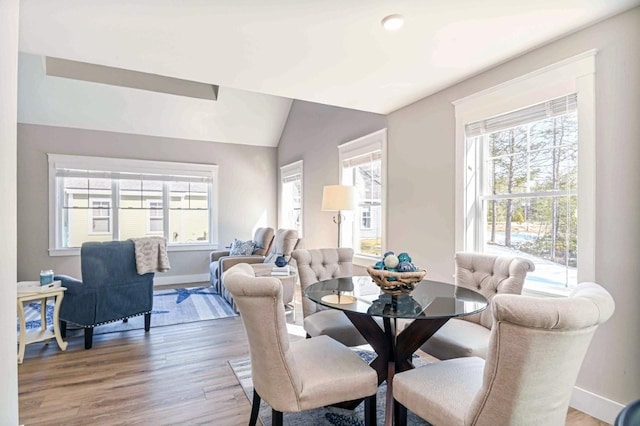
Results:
<point x="427" y="308"/>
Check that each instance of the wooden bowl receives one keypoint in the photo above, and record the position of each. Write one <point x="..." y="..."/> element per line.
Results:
<point x="404" y="282"/>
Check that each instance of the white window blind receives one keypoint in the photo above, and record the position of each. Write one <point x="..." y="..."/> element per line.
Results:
<point x="552" y="108"/>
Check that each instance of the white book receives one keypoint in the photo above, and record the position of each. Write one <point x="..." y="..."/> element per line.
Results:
<point x="281" y="270"/>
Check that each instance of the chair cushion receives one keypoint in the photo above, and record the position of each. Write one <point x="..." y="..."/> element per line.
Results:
<point x="421" y="389"/>
<point x="241" y="248"/>
<point x="331" y="373"/>
<point x="333" y="323"/>
<point x="458" y="338"/>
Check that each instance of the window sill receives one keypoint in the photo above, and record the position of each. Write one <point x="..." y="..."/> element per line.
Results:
<point x="364" y="260"/>
<point x="75" y="251"/>
<point x="541" y="290"/>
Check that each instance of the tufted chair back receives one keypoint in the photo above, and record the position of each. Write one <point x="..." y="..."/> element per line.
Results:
<point x="321" y="264"/>
<point x="490" y="275"/>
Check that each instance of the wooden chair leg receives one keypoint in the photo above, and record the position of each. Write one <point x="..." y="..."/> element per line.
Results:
<point x="147" y="321"/>
<point x="63" y="328"/>
<point x="370" y="411"/>
<point x="399" y="414"/>
<point x="88" y="337"/>
<point x="276" y="418"/>
<point x="255" y="408"/>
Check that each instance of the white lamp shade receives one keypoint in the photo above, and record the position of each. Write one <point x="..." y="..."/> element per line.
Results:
<point x="338" y="197"/>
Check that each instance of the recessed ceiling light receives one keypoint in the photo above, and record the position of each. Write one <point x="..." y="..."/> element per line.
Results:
<point x="393" y="22"/>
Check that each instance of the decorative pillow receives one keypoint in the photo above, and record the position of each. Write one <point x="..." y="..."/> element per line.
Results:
<point x="241" y="248"/>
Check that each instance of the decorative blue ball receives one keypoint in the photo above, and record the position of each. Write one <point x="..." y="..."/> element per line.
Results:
<point x="405" y="267"/>
<point x="379" y="265"/>
<point x="404" y="257"/>
<point x="392" y="279"/>
<point x="392" y="269"/>
<point x="281" y="261"/>
<point x="387" y="254"/>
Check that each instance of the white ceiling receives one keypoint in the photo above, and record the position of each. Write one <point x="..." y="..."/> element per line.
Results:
<point x="327" y="51"/>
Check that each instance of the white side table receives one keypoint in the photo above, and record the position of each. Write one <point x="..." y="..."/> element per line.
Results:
<point x="288" y="284"/>
<point x="32" y="290"/>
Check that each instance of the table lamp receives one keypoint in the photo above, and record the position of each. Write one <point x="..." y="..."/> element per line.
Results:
<point x="338" y="198"/>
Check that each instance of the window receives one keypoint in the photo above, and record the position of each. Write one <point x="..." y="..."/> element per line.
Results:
<point x="291" y="196"/>
<point x="156" y="217"/>
<point x="100" y="222"/>
<point x="518" y="173"/>
<point x="366" y="217"/>
<point x="123" y="199"/>
<point x="363" y="165"/>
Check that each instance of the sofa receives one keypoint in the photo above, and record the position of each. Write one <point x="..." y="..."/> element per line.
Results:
<point x="284" y="242"/>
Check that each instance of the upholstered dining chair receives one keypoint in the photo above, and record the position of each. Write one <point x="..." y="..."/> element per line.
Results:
<point x="323" y="264"/>
<point x="536" y="348"/>
<point x="295" y="376"/>
<point x="489" y="275"/>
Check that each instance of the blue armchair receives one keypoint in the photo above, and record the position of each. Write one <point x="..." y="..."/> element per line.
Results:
<point x="110" y="290"/>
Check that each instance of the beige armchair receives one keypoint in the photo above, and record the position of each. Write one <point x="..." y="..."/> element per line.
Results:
<point x="295" y="376"/>
<point x="284" y="242"/>
<point x="318" y="265"/>
<point x="488" y="275"/>
<point x="263" y="237"/>
<point x="536" y="348"/>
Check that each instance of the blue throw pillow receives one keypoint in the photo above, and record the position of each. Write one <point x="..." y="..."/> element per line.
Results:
<point x="241" y="248"/>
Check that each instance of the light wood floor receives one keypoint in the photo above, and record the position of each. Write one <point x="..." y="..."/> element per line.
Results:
<point x="174" y="375"/>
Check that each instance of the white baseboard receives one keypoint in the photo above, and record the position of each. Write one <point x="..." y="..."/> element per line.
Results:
<point x="159" y="280"/>
<point x="594" y="405"/>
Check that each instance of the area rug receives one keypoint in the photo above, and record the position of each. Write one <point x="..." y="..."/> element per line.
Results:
<point x="175" y="306"/>
<point x="325" y="415"/>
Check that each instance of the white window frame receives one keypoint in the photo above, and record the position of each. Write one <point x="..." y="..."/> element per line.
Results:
<point x="59" y="161"/>
<point x="286" y="172"/>
<point x="362" y="146"/>
<point x="573" y="75"/>
<point x="91" y="216"/>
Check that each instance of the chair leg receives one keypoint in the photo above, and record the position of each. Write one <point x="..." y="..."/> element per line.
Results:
<point x="276" y="418"/>
<point x="147" y="321"/>
<point x="399" y="414"/>
<point x="63" y="328"/>
<point x="88" y="337"/>
<point x="370" y="411"/>
<point x="255" y="408"/>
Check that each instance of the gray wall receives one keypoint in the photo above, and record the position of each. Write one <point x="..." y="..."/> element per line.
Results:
<point x="312" y="133"/>
<point x="8" y="119"/>
<point x="421" y="186"/>
<point x="247" y="188"/>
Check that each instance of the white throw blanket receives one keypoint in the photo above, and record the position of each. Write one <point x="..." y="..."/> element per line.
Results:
<point x="151" y="254"/>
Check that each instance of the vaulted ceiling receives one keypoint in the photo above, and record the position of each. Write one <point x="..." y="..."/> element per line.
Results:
<point x="265" y="53"/>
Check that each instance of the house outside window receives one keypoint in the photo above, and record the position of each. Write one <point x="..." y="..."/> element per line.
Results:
<point x="100" y="222"/>
<point x="525" y="175"/>
<point x="363" y="165"/>
<point x="124" y="199"/>
<point x="156" y="217"/>
<point x="291" y="190"/>
<point x="365" y="217"/>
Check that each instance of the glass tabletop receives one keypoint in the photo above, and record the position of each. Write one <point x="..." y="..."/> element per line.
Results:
<point x="429" y="299"/>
